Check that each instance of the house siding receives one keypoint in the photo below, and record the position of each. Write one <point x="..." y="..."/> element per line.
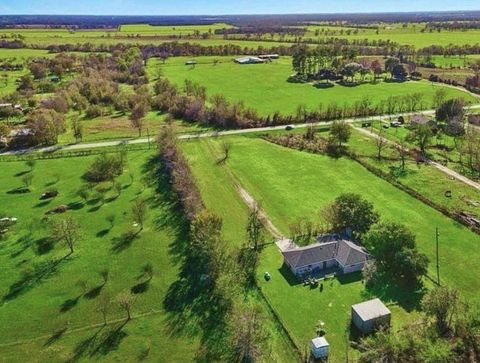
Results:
<point x="317" y="266"/>
<point x="352" y="268"/>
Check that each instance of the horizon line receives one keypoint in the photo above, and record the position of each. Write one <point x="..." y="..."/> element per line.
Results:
<point x="252" y="14"/>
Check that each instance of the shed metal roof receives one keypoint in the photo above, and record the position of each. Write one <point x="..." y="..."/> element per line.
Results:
<point x="371" y="309"/>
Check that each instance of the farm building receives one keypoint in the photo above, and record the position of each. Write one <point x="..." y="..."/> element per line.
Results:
<point x="419" y="120"/>
<point x="320" y="347"/>
<point x="370" y="315"/>
<point x="249" y="60"/>
<point x="329" y="252"/>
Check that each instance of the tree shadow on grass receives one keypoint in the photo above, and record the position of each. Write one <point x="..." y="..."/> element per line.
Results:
<point x="25" y="242"/>
<point x="43" y="203"/>
<point x="407" y="297"/>
<point x="94" y="292"/>
<point x="75" y="205"/>
<point x="22" y="173"/>
<point x="69" y="304"/>
<point x="103" y="232"/>
<point x="44" y="245"/>
<point x="167" y="204"/>
<point x="55" y="336"/>
<point x="110" y="340"/>
<point x="141" y="287"/>
<point x="193" y="306"/>
<point x="124" y="241"/>
<point x="31" y="277"/>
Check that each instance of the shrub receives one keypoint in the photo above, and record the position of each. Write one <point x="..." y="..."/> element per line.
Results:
<point x="105" y="167"/>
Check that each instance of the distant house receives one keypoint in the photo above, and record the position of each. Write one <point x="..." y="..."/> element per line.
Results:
<point x="329" y="252"/>
<point x="419" y="120"/>
<point x="370" y="315"/>
<point x="249" y="60"/>
<point x="474" y="120"/>
<point x="269" y="56"/>
<point x="319" y="347"/>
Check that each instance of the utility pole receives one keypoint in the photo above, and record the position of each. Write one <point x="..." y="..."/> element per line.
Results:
<point x="437" y="235"/>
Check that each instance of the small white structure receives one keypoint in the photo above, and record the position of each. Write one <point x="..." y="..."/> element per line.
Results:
<point x="370" y="315"/>
<point x="249" y="60"/>
<point x="319" y="347"/>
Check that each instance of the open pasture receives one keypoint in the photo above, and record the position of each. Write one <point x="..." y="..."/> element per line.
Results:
<point x="403" y="34"/>
<point x="264" y="87"/>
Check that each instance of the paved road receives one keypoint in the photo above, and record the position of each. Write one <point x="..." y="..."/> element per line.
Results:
<point x="439" y="166"/>
<point x="100" y="144"/>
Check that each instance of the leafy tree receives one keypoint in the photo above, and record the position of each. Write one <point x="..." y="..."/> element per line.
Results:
<point x="66" y="230"/>
<point x="449" y="110"/>
<point x="77" y="129"/>
<point x="351" y="212"/>
<point x="255" y="228"/>
<point x="399" y="72"/>
<point x="340" y="132"/>
<point x="421" y="135"/>
<point x="46" y="125"/>
<point x="207" y="246"/>
<point x="394" y="248"/>
<point x="105" y="167"/>
<point x="390" y="64"/>
<point x="441" y="303"/>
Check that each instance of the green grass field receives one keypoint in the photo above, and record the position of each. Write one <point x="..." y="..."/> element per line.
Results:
<point x="144" y="29"/>
<point x="55" y="301"/>
<point x="291" y="184"/>
<point x="398" y="33"/>
<point x="54" y="316"/>
<point x="264" y="87"/>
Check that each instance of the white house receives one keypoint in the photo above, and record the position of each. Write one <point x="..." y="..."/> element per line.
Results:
<point x="319" y="347"/>
<point x="370" y="315"/>
<point x="330" y="251"/>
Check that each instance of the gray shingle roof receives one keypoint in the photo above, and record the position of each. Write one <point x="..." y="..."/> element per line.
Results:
<point x="327" y="248"/>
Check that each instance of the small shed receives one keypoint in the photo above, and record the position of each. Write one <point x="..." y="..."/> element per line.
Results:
<point x="370" y="315"/>
<point x="319" y="347"/>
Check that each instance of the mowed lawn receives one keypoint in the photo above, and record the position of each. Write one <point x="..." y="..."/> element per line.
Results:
<point x="264" y="87"/>
<point x="55" y="315"/>
<point x="291" y="184"/>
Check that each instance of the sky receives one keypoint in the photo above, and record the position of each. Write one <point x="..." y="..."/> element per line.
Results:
<point x="218" y="7"/>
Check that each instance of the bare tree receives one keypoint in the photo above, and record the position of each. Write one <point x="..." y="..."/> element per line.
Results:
<point x="103" y="306"/>
<point x="380" y="143"/>
<point x="139" y="211"/>
<point x="66" y="230"/>
<point x="27" y="179"/>
<point x="126" y="301"/>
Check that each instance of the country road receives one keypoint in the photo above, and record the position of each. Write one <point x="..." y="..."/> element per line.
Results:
<point x="102" y="144"/>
